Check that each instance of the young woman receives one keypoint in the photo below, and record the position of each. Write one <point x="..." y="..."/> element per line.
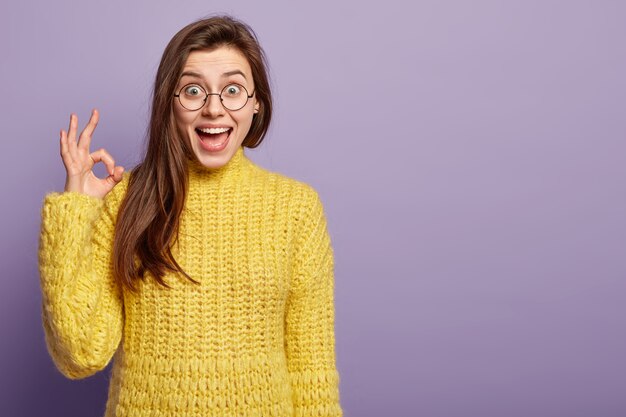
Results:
<point x="207" y="278"/>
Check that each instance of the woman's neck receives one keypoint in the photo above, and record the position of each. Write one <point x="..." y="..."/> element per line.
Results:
<point x="236" y="167"/>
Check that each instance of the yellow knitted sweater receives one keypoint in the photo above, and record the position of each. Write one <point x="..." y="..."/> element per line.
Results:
<point x="255" y="338"/>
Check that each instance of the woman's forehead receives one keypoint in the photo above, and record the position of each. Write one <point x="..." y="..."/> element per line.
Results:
<point x="220" y="61"/>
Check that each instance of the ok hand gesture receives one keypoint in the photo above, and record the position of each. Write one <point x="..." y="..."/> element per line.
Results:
<point x="79" y="161"/>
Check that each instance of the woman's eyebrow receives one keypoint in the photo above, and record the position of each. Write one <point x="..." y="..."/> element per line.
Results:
<point x="226" y="74"/>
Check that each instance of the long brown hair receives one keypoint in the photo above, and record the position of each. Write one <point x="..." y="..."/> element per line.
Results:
<point x="148" y="217"/>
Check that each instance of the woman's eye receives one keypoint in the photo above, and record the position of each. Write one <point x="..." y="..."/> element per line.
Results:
<point x="193" y="91"/>
<point x="233" y="90"/>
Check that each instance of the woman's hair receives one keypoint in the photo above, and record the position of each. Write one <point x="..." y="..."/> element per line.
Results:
<point x="148" y="217"/>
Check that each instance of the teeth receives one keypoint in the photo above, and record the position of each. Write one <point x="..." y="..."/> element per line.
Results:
<point x="215" y="130"/>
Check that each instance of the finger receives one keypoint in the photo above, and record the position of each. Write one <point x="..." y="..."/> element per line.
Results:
<point x="67" y="152"/>
<point x="71" y="131"/>
<point x="118" y="173"/>
<point x="71" y="136"/>
<point x="85" y="136"/>
<point x="103" y="156"/>
<point x="116" y="177"/>
<point x="64" y="148"/>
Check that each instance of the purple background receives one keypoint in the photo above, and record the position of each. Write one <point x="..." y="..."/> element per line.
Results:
<point x="471" y="158"/>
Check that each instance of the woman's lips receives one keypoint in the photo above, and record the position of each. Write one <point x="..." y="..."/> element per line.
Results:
<point x="213" y="143"/>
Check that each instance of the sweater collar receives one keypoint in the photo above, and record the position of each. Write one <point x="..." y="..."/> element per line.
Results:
<point x="236" y="167"/>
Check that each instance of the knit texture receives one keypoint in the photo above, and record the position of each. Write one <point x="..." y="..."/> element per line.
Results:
<point x="255" y="338"/>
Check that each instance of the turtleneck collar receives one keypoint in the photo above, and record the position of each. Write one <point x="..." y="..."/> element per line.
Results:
<point x="236" y="167"/>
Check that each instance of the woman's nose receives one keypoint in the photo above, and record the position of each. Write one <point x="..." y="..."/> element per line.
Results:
<point x="213" y="105"/>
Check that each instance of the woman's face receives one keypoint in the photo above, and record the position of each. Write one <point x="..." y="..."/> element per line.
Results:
<point x="214" y="70"/>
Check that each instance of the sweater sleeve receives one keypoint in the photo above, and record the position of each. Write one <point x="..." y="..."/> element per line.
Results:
<point x="82" y="306"/>
<point x="309" y="327"/>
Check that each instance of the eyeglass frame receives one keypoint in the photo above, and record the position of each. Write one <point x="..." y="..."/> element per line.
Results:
<point x="248" y="97"/>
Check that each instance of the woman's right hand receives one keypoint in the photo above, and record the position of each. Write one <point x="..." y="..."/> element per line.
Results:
<point x="79" y="162"/>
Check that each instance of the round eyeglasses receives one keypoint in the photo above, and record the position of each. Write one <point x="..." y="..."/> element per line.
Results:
<point x="233" y="97"/>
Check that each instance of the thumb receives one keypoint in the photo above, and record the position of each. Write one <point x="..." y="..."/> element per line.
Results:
<point x="116" y="177"/>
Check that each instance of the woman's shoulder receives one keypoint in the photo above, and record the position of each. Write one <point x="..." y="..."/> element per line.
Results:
<point x="294" y="189"/>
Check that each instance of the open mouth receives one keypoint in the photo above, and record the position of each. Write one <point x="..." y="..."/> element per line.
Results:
<point x="214" y="139"/>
